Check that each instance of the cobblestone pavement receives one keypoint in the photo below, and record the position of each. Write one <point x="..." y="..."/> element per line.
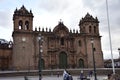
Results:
<point x="49" y="78"/>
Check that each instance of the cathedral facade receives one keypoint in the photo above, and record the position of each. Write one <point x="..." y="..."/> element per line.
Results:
<point x="62" y="48"/>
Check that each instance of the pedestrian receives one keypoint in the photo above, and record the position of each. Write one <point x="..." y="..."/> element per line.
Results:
<point x="109" y="76"/>
<point x="81" y="75"/>
<point x="25" y="77"/>
<point x="57" y="74"/>
<point x="90" y="73"/>
<point x="65" y="75"/>
<point x="70" y="77"/>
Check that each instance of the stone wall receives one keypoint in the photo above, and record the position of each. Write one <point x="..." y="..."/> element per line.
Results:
<point x="100" y="71"/>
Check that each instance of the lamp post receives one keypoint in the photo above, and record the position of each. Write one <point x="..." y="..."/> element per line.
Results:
<point x="40" y="52"/>
<point x="119" y="52"/>
<point x="95" y="75"/>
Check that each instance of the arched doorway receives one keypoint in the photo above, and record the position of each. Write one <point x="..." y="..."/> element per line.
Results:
<point x="42" y="64"/>
<point x="62" y="60"/>
<point x="81" y="63"/>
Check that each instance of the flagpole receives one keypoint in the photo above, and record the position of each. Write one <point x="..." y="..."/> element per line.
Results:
<point x="110" y="37"/>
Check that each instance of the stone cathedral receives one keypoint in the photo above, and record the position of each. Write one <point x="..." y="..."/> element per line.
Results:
<point x="62" y="48"/>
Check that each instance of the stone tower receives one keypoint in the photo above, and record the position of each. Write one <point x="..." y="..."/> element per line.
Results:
<point x="89" y="26"/>
<point x="23" y="38"/>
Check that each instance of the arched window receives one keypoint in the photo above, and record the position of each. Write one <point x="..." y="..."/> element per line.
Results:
<point x="10" y="44"/>
<point x="83" y="29"/>
<point x="42" y="64"/>
<point x="90" y="29"/>
<point x="26" y="25"/>
<point x="94" y="29"/>
<point x="62" y="41"/>
<point x="20" y="26"/>
<point x="79" y="43"/>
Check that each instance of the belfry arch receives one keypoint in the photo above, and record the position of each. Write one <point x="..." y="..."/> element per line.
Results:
<point x="20" y="24"/>
<point x="26" y="25"/>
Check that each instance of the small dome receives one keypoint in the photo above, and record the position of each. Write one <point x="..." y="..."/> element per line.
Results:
<point x="60" y="26"/>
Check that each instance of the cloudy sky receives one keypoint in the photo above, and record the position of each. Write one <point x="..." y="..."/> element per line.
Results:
<point x="47" y="13"/>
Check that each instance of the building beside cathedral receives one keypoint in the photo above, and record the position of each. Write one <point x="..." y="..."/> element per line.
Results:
<point x="62" y="48"/>
<point x="5" y="54"/>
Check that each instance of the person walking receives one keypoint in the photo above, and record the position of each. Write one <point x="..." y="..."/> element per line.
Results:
<point x="65" y="75"/>
<point x="81" y="75"/>
<point x="90" y="73"/>
<point x="57" y="74"/>
<point x="70" y="77"/>
<point x="26" y="78"/>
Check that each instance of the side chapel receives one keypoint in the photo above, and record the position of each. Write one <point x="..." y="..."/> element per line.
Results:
<point x="62" y="48"/>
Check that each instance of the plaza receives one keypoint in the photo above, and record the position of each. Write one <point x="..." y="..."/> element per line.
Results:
<point x="100" y="77"/>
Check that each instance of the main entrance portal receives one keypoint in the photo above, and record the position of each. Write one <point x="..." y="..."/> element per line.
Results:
<point x="62" y="60"/>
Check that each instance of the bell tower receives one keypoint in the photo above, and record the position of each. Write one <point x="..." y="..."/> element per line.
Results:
<point x="23" y="19"/>
<point x="89" y="25"/>
<point x="23" y="47"/>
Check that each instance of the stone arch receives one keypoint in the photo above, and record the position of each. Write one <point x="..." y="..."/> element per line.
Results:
<point x="62" y="60"/>
<point x="81" y="63"/>
<point x="26" y="25"/>
<point x="79" y="43"/>
<point x="42" y="64"/>
<point x="20" y="24"/>
<point x="90" y="29"/>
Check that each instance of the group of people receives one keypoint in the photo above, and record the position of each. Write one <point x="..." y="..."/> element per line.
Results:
<point x="67" y="76"/>
<point x="90" y="73"/>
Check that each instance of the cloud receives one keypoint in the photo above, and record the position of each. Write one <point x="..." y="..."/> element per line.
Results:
<point x="108" y="55"/>
<point x="59" y="9"/>
<point x="53" y="5"/>
<point x="4" y="19"/>
<point x="93" y="4"/>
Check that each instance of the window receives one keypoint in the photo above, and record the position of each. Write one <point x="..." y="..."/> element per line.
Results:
<point x="94" y="29"/>
<point x="62" y="41"/>
<point x="89" y="29"/>
<point x="94" y="49"/>
<point x="20" y="24"/>
<point x="79" y="42"/>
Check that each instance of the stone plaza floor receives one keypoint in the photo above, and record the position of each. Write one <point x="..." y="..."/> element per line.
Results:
<point x="49" y="78"/>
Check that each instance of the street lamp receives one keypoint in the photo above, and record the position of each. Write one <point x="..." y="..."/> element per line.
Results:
<point x="119" y="52"/>
<point x="40" y="38"/>
<point x="95" y="75"/>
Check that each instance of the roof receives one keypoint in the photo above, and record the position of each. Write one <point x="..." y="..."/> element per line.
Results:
<point x="60" y="26"/>
<point x="23" y="12"/>
<point x="88" y="18"/>
<point x="3" y="41"/>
